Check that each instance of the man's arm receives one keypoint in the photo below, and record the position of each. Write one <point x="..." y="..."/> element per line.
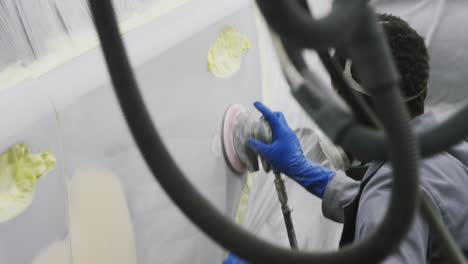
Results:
<point x="286" y="156"/>
<point x="340" y="191"/>
<point x="372" y="208"/>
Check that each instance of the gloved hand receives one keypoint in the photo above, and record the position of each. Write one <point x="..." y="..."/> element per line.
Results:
<point x="233" y="259"/>
<point x="285" y="154"/>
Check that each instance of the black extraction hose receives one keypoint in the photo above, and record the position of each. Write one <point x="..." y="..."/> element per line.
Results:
<point x="336" y="74"/>
<point x="442" y="235"/>
<point x="371" y="250"/>
<point x="370" y="145"/>
<point x="292" y="20"/>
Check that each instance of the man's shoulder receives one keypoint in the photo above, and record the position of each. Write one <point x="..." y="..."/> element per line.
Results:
<point x="442" y="164"/>
<point x="439" y="175"/>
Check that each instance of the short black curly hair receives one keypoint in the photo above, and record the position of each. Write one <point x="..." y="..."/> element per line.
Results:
<point x="411" y="57"/>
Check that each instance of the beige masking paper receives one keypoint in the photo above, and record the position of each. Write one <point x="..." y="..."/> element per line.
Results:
<point x="101" y="228"/>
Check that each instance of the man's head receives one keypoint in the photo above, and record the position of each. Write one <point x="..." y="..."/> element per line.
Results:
<point x="411" y="58"/>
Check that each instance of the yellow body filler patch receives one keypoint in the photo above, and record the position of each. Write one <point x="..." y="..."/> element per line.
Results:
<point x="225" y="54"/>
<point x="19" y="171"/>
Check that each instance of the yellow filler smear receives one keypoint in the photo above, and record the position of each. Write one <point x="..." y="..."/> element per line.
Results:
<point x="19" y="171"/>
<point x="225" y="54"/>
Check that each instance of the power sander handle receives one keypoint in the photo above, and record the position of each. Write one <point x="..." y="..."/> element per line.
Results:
<point x="263" y="132"/>
<point x="283" y="198"/>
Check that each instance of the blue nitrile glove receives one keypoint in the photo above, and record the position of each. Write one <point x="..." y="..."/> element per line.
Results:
<point x="285" y="154"/>
<point x="233" y="259"/>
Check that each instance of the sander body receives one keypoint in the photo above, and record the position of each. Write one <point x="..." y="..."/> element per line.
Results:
<point x="238" y="126"/>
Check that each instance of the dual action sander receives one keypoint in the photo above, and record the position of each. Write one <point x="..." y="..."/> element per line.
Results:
<point x="238" y="126"/>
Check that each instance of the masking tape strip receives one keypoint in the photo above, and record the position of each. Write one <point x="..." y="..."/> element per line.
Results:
<point x="245" y="193"/>
<point x="262" y="53"/>
<point x="244" y="199"/>
<point x="66" y="180"/>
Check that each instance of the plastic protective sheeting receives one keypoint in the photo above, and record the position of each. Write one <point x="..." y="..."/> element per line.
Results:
<point x="31" y="30"/>
<point x="38" y="36"/>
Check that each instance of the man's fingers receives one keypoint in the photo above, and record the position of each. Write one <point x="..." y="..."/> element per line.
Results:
<point x="268" y="114"/>
<point x="233" y="259"/>
<point x="257" y="146"/>
<point x="281" y="119"/>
